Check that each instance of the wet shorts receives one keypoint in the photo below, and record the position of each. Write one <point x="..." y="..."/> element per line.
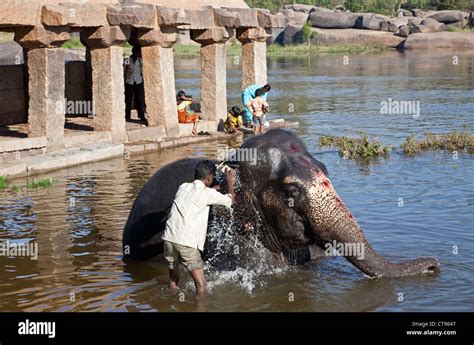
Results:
<point x="176" y="253"/>
<point x="258" y="121"/>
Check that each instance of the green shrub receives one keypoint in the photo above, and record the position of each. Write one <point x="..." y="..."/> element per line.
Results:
<point x="355" y="148"/>
<point x="453" y="141"/>
<point x="3" y="182"/>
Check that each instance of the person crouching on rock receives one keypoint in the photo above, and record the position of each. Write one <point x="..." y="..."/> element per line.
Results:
<point x="186" y="228"/>
<point x="234" y="120"/>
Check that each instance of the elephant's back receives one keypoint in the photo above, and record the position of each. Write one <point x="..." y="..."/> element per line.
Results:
<point x="150" y="210"/>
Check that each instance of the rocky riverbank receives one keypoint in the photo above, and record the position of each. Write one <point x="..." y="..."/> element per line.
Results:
<point x="414" y="29"/>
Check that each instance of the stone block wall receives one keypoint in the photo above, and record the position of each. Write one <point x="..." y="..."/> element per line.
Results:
<point x="13" y="108"/>
<point x="12" y="95"/>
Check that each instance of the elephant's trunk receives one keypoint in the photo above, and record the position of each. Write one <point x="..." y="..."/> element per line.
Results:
<point x="332" y="221"/>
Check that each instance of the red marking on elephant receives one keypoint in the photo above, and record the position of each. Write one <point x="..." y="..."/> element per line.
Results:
<point x="293" y="148"/>
<point x="326" y="184"/>
<point x="351" y="216"/>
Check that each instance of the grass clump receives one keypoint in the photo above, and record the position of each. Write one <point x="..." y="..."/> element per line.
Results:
<point x="36" y="183"/>
<point x="40" y="183"/>
<point x="453" y="141"/>
<point x="317" y="49"/>
<point x="356" y="148"/>
<point x="3" y="182"/>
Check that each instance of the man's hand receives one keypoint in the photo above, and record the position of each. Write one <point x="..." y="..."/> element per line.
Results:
<point x="230" y="178"/>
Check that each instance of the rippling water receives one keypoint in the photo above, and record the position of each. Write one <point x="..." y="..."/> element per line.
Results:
<point x="77" y="223"/>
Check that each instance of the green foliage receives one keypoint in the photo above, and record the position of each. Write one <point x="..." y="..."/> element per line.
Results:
<point x="73" y="43"/>
<point x="3" y="182"/>
<point x="308" y="34"/>
<point x="453" y="141"/>
<point x="355" y="148"/>
<point x="303" y="50"/>
<point x="36" y="183"/>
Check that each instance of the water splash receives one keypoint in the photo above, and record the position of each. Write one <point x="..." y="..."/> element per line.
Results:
<point x="234" y="253"/>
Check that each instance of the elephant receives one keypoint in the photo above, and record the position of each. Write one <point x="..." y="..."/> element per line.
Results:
<point x="287" y="213"/>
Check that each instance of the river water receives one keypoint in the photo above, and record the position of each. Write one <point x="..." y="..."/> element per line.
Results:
<point x="407" y="207"/>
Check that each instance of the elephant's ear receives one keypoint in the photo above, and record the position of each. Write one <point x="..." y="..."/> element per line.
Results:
<point x="320" y="165"/>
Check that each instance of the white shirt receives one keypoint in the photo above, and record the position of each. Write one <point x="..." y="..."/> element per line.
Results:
<point x="187" y="222"/>
<point x="133" y="72"/>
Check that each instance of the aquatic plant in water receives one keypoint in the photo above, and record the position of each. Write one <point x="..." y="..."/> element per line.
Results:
<point x="355" y="148"/>
<point x="453" y="141"/>
<point x="36" y="183"/>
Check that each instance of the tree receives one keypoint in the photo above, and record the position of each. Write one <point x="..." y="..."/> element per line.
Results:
<point x="308" y="34"/>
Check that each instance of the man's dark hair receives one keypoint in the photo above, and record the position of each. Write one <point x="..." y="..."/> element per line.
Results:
<point x="266" y="88"/>
<point x="204" y="169"/>
<point x="235" y="111"/>
<point x="259" y="92"/>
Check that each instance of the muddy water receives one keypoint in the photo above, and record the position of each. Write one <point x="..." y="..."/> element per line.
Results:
<point x="408" y="207"/>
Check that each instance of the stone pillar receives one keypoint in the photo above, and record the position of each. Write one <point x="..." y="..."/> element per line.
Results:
<point x="254" y="56"/>
<point x="213" y="71"/>
<point x="108" y="85"/>
<point x="158" y="76"/>
<point x="46" y="82"/>
<point x="46" y="87"/>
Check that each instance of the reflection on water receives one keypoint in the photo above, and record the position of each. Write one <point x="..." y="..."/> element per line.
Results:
<point x="77" y="223"/>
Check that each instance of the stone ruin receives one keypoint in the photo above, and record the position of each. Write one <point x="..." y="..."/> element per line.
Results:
<point x="42" y="28"/>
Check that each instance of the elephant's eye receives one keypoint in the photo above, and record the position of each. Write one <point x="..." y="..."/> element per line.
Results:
<point x="291" y="191"/>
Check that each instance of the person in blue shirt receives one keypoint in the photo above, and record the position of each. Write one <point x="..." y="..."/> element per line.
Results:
<point x="248" y="95"/>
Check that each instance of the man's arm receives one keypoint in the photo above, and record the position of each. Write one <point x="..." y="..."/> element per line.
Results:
<point x="230" y="178"/>
<point x="216" y="198"/>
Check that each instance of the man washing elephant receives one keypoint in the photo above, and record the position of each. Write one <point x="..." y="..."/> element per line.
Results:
<point x="287" y="199"/>
<point x="186" y="228"/>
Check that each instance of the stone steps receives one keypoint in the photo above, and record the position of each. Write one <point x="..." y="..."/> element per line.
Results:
<point x="61" y="159"/>
<point x="159" y="144"/>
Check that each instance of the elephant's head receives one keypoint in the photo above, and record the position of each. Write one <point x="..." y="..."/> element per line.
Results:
<point x="301" y="207"/>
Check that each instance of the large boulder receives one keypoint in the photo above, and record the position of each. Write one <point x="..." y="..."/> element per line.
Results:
<point x="455" y="26"/>
<point x="433" y="24"/>
<point x="373" y="22"/>
<point x="448" y="17"/>
<point x="414" y="21"/>
<point x="292" y="35"/>
<point x="404" y="31"/>
<point x="355" y="36"/>
<point x="276" y="36"/>
<point x="417" y="12"/>
<point x="416" y="29"/>
<point x="294" y="17"/>
<point x="305" y="8"/>
<point x="400" y="21"/>
<point x="440" y="40"/>
<point x="333" y="20"/>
